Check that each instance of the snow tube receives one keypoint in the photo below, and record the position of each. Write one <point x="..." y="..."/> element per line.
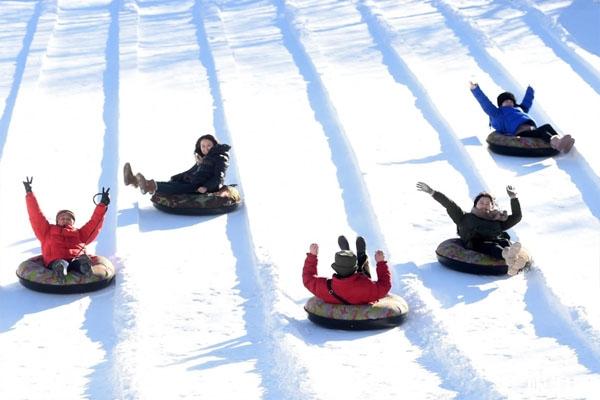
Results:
<point x="388" y="312"/>
<point x="225" y="200"/>
<point x="453" y="255"/>
<point x="33" y="275"/>
<point x="519" y="146"/>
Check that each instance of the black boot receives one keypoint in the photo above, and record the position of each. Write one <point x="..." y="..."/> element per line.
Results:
<point x="59" y="267"/>
<point x="361" y="256"/>
<point x="82" y="265"/>
<point x="343" y="243"/>
<point x="361" y="247"/>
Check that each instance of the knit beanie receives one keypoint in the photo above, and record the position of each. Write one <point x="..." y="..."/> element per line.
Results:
<point x="65" y="212"/>
<point x="345" y="263"/>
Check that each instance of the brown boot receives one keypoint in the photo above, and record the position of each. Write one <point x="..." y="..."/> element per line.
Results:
<point x="566" y="143"/>
<point x="146" y="185"/>
<point x="128" y="176"/>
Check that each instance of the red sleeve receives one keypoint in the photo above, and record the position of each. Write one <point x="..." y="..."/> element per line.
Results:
<point x="91" y="229"/>
<point x="38" y="221"/>
<point x="384" y="281"/>
<point x="309" y="274"/>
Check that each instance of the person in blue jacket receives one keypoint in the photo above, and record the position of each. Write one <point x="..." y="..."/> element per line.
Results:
<point x="511" y="119"/>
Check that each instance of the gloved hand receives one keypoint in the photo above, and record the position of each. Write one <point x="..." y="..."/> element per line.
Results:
<point x="27" y="183"/>
<point x="512" y="192"/>
<point x="105" y="199"/>
<point x="423" y="187"/>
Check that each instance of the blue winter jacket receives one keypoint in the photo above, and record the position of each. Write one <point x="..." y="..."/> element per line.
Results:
<point x="506" y="120"/>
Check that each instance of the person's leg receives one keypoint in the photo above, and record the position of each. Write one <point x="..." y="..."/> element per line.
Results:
<point x="361" y="256"/>
<point x="59" y="267"/>
<point x="175" y="187"/>
<point x="544" y="132"/>
<point x="343" y="243"/>
<point x="489" y="247"/>
<point x="81" y="265"/>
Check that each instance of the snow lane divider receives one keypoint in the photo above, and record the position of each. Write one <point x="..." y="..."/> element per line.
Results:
<point x="430" y="336"/>
<point x="21" y="62"/>
<point x="401" y="72"/>
<point x="256" y="281"/>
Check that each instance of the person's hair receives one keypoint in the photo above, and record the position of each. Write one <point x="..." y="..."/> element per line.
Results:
<point x="205" y="137"/>
<point x="483" y="194"/>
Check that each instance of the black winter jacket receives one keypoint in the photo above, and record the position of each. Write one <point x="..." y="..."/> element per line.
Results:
<point x="472" y="229"/>
<point x="210" y="173"/>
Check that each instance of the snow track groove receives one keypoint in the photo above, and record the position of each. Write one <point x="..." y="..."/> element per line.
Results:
<point x="449" y="361"/>
<point x="255" y="279"/>
<point x="21" y="61"/>
<point x="585" y="176"/>
<point x="587" y="338"/>
<point x="557" y="39"/>
<point x="582" y="337"/>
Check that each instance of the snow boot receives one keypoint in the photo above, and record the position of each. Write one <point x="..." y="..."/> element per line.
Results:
<point x="361" y="256"/>
<point x="85" y="265"/>
<point x="128" y="176"/>
<point x="146" y="185"/>
<point x="566" y="143"/>
<point x="562" y="144"/>
<point x="59" y="267"/>
<point x="343" y="243"/>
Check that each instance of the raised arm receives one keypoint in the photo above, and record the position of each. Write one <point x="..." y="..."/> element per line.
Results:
<point x="39" y="223"/>
<point x="91" y="229"/>
<point x="515" y="209"/>
<point x="384" y="278"/>
<point x="527" y="101"/>
<point x="453" y="210"/>
<point x="488" y="107"/>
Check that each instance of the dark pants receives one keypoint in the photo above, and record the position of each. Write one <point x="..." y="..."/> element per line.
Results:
<point x="175" y="187"/>
<point x="491" y="247"/>
<point x="544" y="132"/>
<point x="75" y="264"/>
<point x="363" y="265"/>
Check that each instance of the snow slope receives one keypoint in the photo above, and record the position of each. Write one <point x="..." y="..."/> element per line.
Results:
<point x="334" y="110"/>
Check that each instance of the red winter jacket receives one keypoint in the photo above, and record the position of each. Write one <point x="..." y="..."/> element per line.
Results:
<point x="355" y="289"/>
<point x="62" y="241"/>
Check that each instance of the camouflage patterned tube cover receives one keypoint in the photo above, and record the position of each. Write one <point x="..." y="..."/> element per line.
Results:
<point x="225" y="200"/>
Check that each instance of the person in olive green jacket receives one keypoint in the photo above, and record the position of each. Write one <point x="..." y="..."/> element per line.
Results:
<point x="483" y="229"/>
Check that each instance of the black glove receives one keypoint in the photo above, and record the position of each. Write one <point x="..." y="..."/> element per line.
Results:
<point x="27" y="183"/>
<point x="105" y="199"/>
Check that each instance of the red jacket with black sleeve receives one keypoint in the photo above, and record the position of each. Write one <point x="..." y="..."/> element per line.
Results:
<point x="355" y="289"/>
<point x="63" y="242"/>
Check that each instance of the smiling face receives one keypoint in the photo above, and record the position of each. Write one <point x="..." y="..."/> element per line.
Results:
<point x="484" y="204"/>
<point x="64" y="219"/>
<point x="205" y="146"/>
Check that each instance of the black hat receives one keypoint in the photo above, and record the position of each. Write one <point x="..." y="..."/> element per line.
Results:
<point x="345" y="263"/>
<point x="506" y="96"/>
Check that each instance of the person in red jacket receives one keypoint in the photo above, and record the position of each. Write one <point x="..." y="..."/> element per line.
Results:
<point x="63" y="245"/>
<point x="350" y="284"/>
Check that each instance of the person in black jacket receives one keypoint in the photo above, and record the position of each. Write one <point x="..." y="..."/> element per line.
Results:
<point x="483" y="229"/>
<point x="205" y="176"/>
